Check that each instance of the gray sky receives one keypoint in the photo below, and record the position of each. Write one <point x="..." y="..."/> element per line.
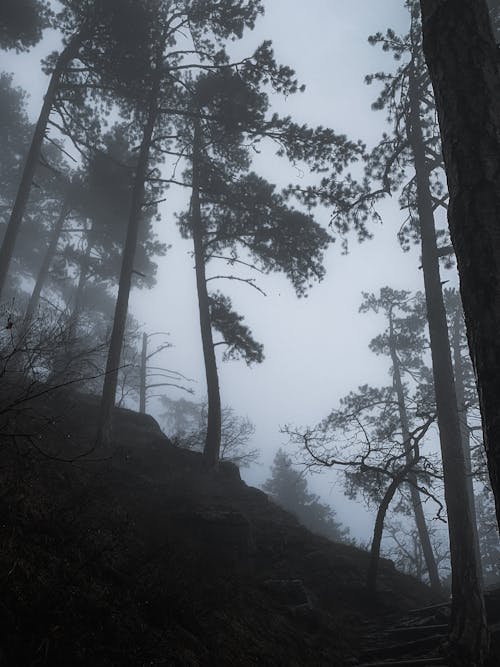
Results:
<point x="316" y="349"/>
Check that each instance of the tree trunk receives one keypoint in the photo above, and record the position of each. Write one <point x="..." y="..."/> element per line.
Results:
<point x="416" y="501"/>
<point x="64" y="359"/>
<point x="143" y="374"/>
<point x="127" y="267"/>
<point x="464" y="426"/>
<point x="463" y="63"/>
<point x="468" y="623"/>
<point x="80" y="288"/>
<point x="32" y="159"/>
<point x="43" y="273"/>
<point x="211" y="450"/>
<point x="371" y="580"/>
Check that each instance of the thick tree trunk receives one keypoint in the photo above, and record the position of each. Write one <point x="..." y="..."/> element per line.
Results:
<point x="33" y="158"/>
<point x="464" y="426"/>
<point x="127" y="267"/>
<point x="143" y="374"/>
<point x="211" y="450"/>
<point x="416" y="501"/>
<point x="463" y="63"/>
<point x="371" y="579"/>
<point x="468" y="623"/>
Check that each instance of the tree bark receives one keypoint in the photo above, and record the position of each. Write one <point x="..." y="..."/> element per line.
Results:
<point x="416" y="501"/>
<point x="463" y="63"/>
<point x="143" y="374"/>
<point x="33" y="157"/>
<point x="127" y="267"/>
<point x="211" y="450"/>
<point x="468" y="631"/>
<point x="371" y="580"/>
<point x="464" y="426"/>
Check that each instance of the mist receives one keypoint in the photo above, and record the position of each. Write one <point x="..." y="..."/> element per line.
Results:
<point x="226" y="265"/>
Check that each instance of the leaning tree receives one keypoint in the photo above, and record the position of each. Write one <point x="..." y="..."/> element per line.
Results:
<point x="237" y="217"/>
<point x="376" y="435"/>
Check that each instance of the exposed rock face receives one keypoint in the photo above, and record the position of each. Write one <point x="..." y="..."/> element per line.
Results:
<point x="140" y="556"/>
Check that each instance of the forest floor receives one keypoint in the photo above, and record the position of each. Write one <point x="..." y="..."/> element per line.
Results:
<point x="137" y="555"/>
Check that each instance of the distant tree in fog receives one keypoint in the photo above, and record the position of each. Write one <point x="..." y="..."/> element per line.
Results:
<point x="185" y="422"/>
<point x="102" y="205"/>
<point x="289" y="489"/>
<point x="45" y="204"/>
<point x="403" y="546"/>
<point x="15" y="130"/>
<point x="69" y="51"/>
<point x="404" y="342"/>
<point x="377" y="434"/>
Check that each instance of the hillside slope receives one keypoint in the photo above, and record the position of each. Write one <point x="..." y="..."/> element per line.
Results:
<point x="138" y="556"/>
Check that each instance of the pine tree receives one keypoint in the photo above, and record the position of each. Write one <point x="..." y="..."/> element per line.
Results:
<point x="404" y="343"/>
<point x="235" y="215"/>
<point x="467" y="90"/>
<point x="377" y="434"/>
<point x="208" y="29"/>
<point x="413" y="146"/>
<point x="22" y="23"/>
<point x="289" y="489"/>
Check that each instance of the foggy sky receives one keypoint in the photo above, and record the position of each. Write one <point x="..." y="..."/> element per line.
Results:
<point x="316" y="349"/>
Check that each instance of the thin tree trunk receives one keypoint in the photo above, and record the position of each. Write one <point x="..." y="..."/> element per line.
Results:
<point x="463" y="63"/>
<point x="64" y="359"/>
<point x="371" y="580"/>
<point x="48" y="258"/>
<point x="80" y="288"/>
<point x="211" y="450"/>
<point x="127" y="267"/>
<point x="468" y="623"/>
<point x="143" y="374"/>
<point x="416" y="501"/>
<point x="464" y="426"/>
<point x="32" y="159"/>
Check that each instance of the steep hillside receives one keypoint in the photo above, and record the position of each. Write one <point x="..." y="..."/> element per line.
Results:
<point x="138" y="556"/>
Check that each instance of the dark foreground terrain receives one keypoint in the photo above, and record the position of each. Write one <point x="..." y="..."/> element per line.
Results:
<point x="138" y="556"/>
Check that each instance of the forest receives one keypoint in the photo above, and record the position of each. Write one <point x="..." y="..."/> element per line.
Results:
<point x="249" y="315"/>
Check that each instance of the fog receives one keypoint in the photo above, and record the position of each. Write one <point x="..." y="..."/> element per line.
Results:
<point x="316" y="348"/>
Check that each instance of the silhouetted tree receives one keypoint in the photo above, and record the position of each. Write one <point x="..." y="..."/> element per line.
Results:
<point x="413" y="146"/>
<point x="289" y="489"/>
<point x="467" y="90"/>
<point x="404" y="342"/>
<point x="186" y="424"/>
<point x="377" y="433"/>
<point x="235" y="215"/>
<point x="158" y="78"/>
